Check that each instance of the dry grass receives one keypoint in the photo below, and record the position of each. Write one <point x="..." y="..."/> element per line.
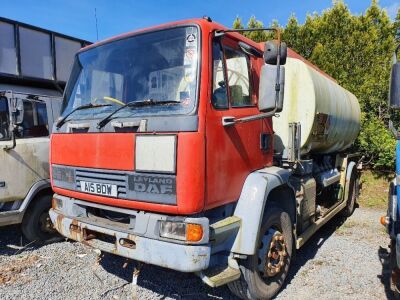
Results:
<point x="375" y="188"/>
<point x="13" y="271"/>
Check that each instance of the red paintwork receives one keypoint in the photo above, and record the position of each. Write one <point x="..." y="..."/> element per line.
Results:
<point x="103" y="151"/>
<point x="212" y="163"/>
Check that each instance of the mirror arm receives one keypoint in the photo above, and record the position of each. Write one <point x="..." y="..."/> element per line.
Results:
<point x="14" y="144"/>
<point x="229" y="121"/>
<point x="14" y="129"/>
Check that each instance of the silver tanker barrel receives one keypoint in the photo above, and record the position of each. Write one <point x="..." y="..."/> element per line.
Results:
<point x="329" y="115"/>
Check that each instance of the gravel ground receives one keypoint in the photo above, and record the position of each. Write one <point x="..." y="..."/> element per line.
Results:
<point x="343" y="261"/>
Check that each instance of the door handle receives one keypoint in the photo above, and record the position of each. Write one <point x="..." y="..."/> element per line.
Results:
<point x="228" y="121"/>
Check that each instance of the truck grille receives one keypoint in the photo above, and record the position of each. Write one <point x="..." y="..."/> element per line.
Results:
<point x="109" y="177"/>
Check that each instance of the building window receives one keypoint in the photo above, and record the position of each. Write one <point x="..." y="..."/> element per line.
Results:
<point x="36" y="59"/>
<point x="8" y="53"/>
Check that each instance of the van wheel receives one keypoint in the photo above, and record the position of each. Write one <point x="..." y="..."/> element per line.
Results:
<point x="36" y="224"/>
<point x="264" y="273"/>
<point x="353" y="195"/>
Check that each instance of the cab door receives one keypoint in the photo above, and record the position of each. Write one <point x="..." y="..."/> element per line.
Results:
<point x="233" y="152"/>
<point x="27" y="163"/>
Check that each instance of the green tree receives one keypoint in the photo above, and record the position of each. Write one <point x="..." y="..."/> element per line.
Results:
<point x="357" y="51"/>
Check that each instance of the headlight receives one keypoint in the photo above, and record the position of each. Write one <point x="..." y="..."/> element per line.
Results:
<point x="63" y="174"/>
<point x="155" y="153"/>
<point x="181" y="231"/>
<point x="63" y="177"/>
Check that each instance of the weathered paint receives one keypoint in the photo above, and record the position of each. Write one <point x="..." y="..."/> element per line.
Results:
<point x="180" y="257"/>
<point x="308" y="93"/>
<point x="22" y="166"/>
<point x="230" y="153"/>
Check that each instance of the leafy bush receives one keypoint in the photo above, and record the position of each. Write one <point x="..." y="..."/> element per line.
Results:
<point x="356" y="50"/>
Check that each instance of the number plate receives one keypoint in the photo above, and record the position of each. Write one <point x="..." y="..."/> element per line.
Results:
<point x="104" y="189"/>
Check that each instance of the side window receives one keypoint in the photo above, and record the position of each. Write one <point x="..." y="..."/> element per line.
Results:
<point x="238" y="73"/>
<point x="35" y="120"/>
<point x="4" y="119"/>
<point x="219" y="95"/>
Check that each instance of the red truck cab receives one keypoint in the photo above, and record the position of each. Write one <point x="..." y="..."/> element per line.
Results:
<point x="164" y="154"/>
<point x="194" y="125"/>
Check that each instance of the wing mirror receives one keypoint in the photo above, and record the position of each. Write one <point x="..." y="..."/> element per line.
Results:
<point x="271" y="50"/>
<point x="272" y="77"/>
<point x="18" y="111"/>
<point x="394" y="91"/>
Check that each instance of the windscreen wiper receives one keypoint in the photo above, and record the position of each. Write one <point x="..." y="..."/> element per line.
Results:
<point x="135" y="103"/>
<point x="84" y="106"/>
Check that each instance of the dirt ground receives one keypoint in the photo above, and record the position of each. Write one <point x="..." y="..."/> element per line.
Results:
<point x="344" y="260"/>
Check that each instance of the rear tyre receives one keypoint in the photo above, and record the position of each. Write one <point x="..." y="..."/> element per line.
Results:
<point x="394" y="271"/>
<point x="264" y="273"/>
<point x="36" y="224"/>
<point x="353" y="195"/>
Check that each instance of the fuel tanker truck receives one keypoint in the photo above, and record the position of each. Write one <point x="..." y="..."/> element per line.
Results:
<point x="189" y="146"/>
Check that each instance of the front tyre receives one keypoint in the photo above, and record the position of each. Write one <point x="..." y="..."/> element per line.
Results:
<point x="36" y="224"/>
<point x="264" y="273"/>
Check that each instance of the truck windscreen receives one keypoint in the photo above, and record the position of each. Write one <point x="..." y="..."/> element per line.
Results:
<point x="159" y="65"/>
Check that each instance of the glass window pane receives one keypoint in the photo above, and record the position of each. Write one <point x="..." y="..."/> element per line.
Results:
<point x="238" y="77"/>
<point x="41" y="114"/>
<point x="106" y="84"/>
<point x="8" y="54"/>
<point x="160" y="65"/>
<point x="4" y="119"/>
<point x="35" y="54"/>
<point x="35" y="120"/>
<point x="65" y="52"/>
<point x="219" y="97"/>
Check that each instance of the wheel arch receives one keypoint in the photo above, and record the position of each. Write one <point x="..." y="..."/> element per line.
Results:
<point x="42" y="187"/>
<point x="269" y="185"/>
<point x="351" y="167"/>
<point x="284" y="197"/>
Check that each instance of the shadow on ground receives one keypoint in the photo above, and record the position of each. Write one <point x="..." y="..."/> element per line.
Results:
<point x="12" y="241"/>
<point x="384" y="257"/>
<point x="178" y="285"/>
<point x="311" y="247"/>
<point x="165" y="282"/>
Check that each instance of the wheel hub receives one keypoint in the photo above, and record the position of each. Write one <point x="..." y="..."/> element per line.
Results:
<point x="272" y="254"/>
<point x="45" y="223"/>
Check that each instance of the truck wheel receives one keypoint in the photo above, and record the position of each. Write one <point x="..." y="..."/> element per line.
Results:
<point x="264" y="273"/>
<point x="352" y="199"/>
<point x="394" y="271"/>
<point x="36" y="224"/>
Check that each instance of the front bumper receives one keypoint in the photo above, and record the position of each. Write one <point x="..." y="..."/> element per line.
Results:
<point x="184" y="258"/>
<point x="180" y="257"/>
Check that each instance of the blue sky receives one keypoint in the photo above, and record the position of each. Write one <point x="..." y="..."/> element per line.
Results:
<point x="76" y="17"/>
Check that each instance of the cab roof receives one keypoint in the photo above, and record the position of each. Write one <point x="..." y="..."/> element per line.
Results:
<point x="205" y="25"/>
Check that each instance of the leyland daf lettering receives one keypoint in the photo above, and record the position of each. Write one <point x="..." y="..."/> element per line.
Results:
<point x="153" y="185"/>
